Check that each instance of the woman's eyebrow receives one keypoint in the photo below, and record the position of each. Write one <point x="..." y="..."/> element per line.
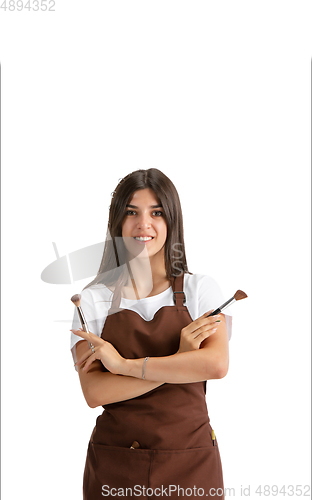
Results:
<point x="152" y="206"/>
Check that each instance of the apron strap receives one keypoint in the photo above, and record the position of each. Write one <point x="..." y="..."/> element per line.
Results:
<point x="178" y="293"/>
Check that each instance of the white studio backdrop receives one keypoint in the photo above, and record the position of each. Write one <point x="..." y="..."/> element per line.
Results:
<point x="217" y="96"/>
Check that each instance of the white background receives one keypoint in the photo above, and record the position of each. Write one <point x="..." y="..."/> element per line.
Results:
<point x="217" y="96"/>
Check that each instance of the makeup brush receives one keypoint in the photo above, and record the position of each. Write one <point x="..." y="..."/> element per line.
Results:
<point x="239" y="295"/>
<point x="76" y="300"/>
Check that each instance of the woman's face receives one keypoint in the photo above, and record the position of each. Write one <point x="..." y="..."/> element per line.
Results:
<point x="144" y="227"/>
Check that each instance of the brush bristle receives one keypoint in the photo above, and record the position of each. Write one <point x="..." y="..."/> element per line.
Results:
<point x="239" y="295"/>
<point x="76" y="299"/>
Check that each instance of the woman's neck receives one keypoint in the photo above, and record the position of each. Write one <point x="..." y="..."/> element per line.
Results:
<point x="147" y="277"/>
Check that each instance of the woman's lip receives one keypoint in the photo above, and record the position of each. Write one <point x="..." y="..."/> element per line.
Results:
<point x="142" y="241"/>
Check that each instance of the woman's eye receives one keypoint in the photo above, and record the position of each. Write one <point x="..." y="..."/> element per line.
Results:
<point x="156" y="213"/>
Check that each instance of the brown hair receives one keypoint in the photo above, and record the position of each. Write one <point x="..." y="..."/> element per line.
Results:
<point x="175" y="259"/>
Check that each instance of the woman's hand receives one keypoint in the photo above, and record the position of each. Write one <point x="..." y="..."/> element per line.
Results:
<point x="197" y="331"/>
<point x="103" y="350"/>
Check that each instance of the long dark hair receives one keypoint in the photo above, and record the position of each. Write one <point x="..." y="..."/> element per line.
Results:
<point x="114" y="255"/>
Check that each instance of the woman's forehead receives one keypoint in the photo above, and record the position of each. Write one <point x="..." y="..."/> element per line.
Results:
<point x="145" y="196"/>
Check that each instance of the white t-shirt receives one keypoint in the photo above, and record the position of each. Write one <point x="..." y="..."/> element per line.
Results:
<point x="202" y="294"/>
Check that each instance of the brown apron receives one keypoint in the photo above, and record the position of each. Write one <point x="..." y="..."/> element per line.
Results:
<point x="170" y="423"/>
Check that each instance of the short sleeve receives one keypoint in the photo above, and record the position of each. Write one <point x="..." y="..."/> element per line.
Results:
<point x="212" y="297"/>
<point x="88" y="308"/>
<point x="205" y="294"/>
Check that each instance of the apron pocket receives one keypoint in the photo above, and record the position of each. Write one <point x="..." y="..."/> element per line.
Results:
<point x="108" y="468"/>
<point x="190" y="473"/>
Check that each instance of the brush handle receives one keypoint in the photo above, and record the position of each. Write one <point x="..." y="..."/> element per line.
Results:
<point x="216" y="311"/>
<point x="84" y="323"/>
<point x="82" y="320"/>
<point x="221" y="308"/>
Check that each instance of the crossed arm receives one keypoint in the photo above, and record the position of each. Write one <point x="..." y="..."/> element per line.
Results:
<point x="197" y="361"/>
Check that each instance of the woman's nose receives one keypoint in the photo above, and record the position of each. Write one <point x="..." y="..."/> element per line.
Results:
<point x="144" y="221"/>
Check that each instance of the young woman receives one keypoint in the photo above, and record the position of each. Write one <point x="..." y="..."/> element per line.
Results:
<point x="150" y="353"/>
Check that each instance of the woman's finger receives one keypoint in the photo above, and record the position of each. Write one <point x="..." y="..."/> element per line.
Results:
<point x="86" y="355"/>
<point x="205" y="319"/>
<point x="204" y="329"/>
<point x="204" y="333"/>
<point x="91" y="337"/>
<point x="90" y="360"/>
<point x="203" y="322"/>
<point x="206" y="314"/>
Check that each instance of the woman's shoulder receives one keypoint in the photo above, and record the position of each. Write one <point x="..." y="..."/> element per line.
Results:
<point x="96" y="292"/>
<point x="203" y="294"/>
<point x="198" y="281"/>
<point x="204" y="290"/>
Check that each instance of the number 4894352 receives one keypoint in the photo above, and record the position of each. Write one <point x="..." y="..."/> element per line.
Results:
<point x="35" y="5"/>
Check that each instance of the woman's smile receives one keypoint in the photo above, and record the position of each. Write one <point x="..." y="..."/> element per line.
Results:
<point x="143" y="239"/>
